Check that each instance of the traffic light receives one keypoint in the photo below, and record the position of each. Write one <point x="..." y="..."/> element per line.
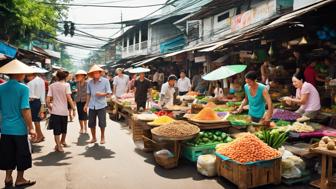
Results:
<point x="72" y="29"/>
<point x="66" y="28"/>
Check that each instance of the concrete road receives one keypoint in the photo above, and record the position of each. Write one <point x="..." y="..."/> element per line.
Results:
<point x="117" y="164"/>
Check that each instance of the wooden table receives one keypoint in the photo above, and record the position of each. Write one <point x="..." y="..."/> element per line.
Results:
<point x="327" y="180"/>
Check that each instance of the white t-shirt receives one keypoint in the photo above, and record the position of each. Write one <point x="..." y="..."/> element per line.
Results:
<point x="37" y="89"/>
<point x="59" y="91"/>
<point x="168" y="93"/>
<point x="184" y="84"/>
<point x="218" y="92"/>
<point x="121" y="84"/>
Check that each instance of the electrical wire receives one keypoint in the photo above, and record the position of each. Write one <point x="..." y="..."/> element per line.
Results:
<point x="102" y="6"/>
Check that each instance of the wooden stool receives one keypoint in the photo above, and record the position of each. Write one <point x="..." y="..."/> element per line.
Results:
<point x="327" y="180"/>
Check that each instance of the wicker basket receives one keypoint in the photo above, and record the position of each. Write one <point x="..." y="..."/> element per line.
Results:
<point x="166" y="162"/>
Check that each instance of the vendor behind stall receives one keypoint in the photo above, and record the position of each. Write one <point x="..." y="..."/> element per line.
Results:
<point x="141" y="91"/>
<point x="167" y="91"/>
<point x="257" y="96"/>
<point x="306" y="95"/>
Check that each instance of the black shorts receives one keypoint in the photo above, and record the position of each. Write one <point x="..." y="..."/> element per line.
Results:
<point x="141" y="104"/>
<point x="82" y="116"/>
<point x="59" y="124"/>
<point x="35" y="107"/>
<point x="101" y="114"/>
<point x="15" y="153"/>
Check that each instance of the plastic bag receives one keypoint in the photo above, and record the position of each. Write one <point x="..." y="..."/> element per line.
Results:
<point x="293" y="172"/>
<point x="206" y="165"/>
<point x="164" y="154"/>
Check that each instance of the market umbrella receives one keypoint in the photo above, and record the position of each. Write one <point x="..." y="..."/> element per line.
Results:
<point x="224" y="72"/>
<point x="39" y="70"/>
<point x="139" y="70"/>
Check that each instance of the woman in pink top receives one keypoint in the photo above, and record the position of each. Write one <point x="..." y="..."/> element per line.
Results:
<point x="306" y="96"/>
<point x="59" y="95"/>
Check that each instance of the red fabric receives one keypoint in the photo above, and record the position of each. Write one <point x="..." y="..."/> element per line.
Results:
<point x="310" y="75"/>
<point x="2" y="81"/>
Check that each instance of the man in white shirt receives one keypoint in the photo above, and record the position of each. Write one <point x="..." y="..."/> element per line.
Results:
<point x="120" y="83"/>
<point x="183" y="84"/>
<point x="37" y="95"/>
<point x="167" y="91"/>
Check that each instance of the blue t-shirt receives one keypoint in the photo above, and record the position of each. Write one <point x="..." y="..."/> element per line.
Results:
<point x="102" y="86"/>
<point x="256" y="103"/>
<point x="14" y="97"/>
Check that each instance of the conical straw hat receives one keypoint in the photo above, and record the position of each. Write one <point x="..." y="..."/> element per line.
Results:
<point x="16" y="67"/>
<point x="81" y="72"/>
<point x="95" y="68"/>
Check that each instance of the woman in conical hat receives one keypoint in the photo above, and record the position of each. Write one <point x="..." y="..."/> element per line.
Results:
<point x="80" y="99"/>
<point x="16" y="124"/>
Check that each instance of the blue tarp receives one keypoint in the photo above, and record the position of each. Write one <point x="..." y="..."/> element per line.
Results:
<point x="7" y="50"/>
<point x="172" y="45"/>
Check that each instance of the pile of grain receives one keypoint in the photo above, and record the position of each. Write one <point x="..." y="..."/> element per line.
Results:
<point x="176" y="129"/>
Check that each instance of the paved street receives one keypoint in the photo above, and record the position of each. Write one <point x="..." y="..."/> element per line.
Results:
<point x="114" y="165"/>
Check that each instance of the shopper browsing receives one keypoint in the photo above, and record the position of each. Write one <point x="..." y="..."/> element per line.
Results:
<point x="168" y="91"/>
<point x="120" y="83"/>
<point x="59" y="97"/>
<point x="81" y="85"/>
<point x="142" y="89"/>
<point x="97" y="90"/>
<point x="16" y="124"/>
<point x="183" y="84"/>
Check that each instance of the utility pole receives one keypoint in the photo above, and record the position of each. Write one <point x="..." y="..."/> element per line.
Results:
<point x="121" y="24"/>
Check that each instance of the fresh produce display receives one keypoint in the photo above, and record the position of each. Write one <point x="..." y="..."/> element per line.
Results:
<point x="155" y="95"/>
<point x="176" y="129"/>
<point x="210" y="105"/>
<point x="207" y="114"/>
<point x="164" y="113"/>
<point x="328" y="143"/>
<point x="331" y="110"/>
<point x="281" y="123"/>
<point x="233" y="104"/>
<point x="210" y="137"/>
<point x="224" y="109"/>
<point x="162" y="120"/>
<point x="222" y="114"/>
<point x="301" y="128"/>
<point x="203" y="100"/>
<point x="239" y="119"/>
<point x="146" y="117"/>
<point x="248" y="148"/>
<point x="286" y="115"/>
<point x="272" y="139"/>
<point x="127" y="96"/>
<point x="192" y="93"/>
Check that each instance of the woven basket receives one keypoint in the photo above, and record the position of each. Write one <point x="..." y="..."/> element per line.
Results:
<point x="166" y="162"/>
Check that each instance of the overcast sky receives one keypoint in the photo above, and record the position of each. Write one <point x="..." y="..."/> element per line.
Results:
<point x="88" y="15"/>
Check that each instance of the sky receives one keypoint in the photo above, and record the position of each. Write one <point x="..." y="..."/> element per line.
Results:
<point x="94" y="15"/>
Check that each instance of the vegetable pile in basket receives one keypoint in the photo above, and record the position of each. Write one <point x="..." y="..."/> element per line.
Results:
<point x="176" y="129"/>
<point x="210" y="137"/>
<point x="286" y="115"/>
<point x="248" y="148"/>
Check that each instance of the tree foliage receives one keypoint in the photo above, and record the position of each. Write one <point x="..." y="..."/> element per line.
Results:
<point x="22" y="20"/>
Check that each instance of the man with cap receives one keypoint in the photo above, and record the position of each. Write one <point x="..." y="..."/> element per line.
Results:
<point x="80" y="99"/>
<point x="142" y="88"/>
<point x="97" y="90"/>
<point x="168" y="91"/>
<point x="120" y="83"/>
<point x="37" y="95"/>
<point x="16" y="124"/>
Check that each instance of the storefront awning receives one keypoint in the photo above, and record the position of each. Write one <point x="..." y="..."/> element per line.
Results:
<point x="284" y="19"/>
<point x="50" y="53"/>
<point x="187" y="50"/>
<point x="140" y="63"/>
<point x="7" y="50"/>
<point x="219" y="44"/>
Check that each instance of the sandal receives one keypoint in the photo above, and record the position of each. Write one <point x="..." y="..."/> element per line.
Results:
<point x="9" y="183"/>
<point x="27" y="183"/>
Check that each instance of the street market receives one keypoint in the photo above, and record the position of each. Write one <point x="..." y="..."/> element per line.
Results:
<point x="255" y="108"/>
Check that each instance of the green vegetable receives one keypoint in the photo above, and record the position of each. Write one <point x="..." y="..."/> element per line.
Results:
<point x="272" y="138"/>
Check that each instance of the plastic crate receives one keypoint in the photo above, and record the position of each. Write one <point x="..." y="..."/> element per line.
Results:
<point x="192" y="153"/>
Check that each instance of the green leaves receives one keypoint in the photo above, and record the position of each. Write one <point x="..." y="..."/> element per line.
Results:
<point x="36" y="17"/>
<point x="272" y="139"/>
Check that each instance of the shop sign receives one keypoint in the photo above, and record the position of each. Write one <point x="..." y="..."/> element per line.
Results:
<point x="255" y="15"/>
<point x="199" y="59"/>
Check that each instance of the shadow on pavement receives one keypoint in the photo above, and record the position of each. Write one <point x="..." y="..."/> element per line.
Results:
<point x="185" y="169"/>
<point x="98" y="152"/>
<point x="52" y="159"/>
<point x="82" y="139"/>
<point x="36" y="148"/>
